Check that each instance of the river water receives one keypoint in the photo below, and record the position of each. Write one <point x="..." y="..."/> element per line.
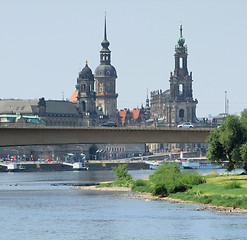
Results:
<point x="42" y="205"/>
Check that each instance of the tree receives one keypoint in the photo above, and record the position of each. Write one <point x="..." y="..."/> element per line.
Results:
<point x="121" y="172"/>
<point x="243" y="151"/>
<point x="92" y="151"/>
<point x="226" y="142"/>
<point x="169" y="179"/>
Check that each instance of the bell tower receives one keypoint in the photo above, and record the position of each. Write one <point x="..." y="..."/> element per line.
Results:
<point x="182" y="106"/>
<point x="181" y="81"/>
<point x="105" y="81"/>
<point x="86" y="94"/>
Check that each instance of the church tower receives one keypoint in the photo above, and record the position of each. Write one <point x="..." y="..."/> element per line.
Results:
<point x="86" y="95"/>
<point x="182" y="106"/>
<point x="105" y="79"/>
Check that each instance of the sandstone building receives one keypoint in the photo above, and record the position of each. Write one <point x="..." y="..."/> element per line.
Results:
<point x="175" y="105"/>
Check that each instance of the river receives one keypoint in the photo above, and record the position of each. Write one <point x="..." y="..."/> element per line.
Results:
<point x="42" y="205"/>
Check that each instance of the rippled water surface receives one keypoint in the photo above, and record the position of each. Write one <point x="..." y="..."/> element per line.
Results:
<point x="31" y="207"/>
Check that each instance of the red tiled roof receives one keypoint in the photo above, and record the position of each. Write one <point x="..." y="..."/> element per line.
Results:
<point x="122" y="115"/>
<point x="73" y="98"/>
<point x="134" y="114"/>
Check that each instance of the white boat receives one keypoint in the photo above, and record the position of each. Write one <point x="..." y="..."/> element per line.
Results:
<point x="192" y="164"/>
<point x="153" y="165"/>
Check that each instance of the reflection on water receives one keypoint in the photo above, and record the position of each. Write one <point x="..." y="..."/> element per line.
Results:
<point x="32" y="208"/>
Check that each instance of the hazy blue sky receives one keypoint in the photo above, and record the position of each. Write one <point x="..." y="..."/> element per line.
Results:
<point x="45" y="43"/>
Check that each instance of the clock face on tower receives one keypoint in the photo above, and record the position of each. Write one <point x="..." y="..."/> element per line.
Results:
<point x="107" y="84"/>
<point x="108" y="101"/>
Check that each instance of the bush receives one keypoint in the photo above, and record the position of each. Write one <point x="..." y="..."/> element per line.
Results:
<point x="121" y="172"/>
<point x="191" y="179"/>
<point x="232" y="185"/>
<point x="159" y="190"/>
<point x="168" y="179"/>
<point x="140" y="182"/>
<point x="141" y="186"/>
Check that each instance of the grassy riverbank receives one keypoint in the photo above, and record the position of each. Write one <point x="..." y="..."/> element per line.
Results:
<point x="219" y="190"/>
<point x="169" y="182"/>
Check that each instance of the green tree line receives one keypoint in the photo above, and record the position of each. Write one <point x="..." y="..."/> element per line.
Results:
<point x="229" y="142"/>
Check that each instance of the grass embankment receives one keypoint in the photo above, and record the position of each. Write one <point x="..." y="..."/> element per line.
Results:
<point x="219" y="190"/>
<point x="168" y="181"/>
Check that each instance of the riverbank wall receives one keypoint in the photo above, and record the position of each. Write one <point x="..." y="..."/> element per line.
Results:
<point x="92" y="166"/>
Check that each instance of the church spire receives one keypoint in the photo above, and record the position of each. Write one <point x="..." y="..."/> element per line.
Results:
<point x="105" y="27"/>
<point x="105" y="43"/>
<point x="105" y="53"/>
<point x="181" y="40"/>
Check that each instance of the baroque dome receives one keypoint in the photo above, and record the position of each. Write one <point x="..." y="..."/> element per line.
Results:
<point x="86" y="72"/>
<point x="105" y="71"/>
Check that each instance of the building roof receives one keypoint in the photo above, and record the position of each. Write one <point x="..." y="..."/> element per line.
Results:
<point x="73" y="98"/>
<point x="12" y="106"/>
<point x="60" y="107"/>
<point x="86" y="74"/>
<point x="135" y="113"/>
<point x="30" y="107"/>
<point x="105" y="70"/>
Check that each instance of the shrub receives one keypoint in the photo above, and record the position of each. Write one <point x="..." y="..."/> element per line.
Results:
<point x="191" y="179"/>
<point x="232" y="185"/>
<point x="140" y="182"/>
<point x="159" y="190"/>
<point x="121" y="172"/>
<point x="141" y="186"/>
<point x="165" y="179"/>
<point x="169" y="179"/>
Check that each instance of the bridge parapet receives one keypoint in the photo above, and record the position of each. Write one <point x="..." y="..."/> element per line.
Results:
<point x="10" y="136"/>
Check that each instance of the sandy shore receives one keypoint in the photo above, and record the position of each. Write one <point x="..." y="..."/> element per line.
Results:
<point x="149" y="197"/>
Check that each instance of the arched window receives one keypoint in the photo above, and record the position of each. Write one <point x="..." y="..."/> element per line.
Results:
<point x="83" y="106"/>
<point x="83" y="87"/>
<point x="181" y="62"/>
<point x="181" y="113"/>
<point x="181" y="89"/>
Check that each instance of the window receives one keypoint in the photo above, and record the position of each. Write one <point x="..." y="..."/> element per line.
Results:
<point x="181" y="113"/>
<point x="83" y="87"/>
<point x="83" y="106"/>
<point x="181" y="89"/>
<point x="181" y="62"/>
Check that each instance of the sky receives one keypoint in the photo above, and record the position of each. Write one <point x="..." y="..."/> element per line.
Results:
<point x="44" y="44"/>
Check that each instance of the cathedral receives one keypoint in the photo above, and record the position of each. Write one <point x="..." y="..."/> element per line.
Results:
<point x="175" y="105"/>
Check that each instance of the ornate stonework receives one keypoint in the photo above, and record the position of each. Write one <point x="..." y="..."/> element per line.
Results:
<point x="105" y="79"/>
<point x="176" y="105"/>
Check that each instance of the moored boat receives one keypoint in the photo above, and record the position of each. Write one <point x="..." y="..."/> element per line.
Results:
<point x="193" y="164"/>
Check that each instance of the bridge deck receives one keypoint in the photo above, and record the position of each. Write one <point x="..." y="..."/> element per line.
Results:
<point x="10" y="136"/>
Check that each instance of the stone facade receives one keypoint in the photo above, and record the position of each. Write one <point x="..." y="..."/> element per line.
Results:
<point x="105" y="78"/>
<point x="176" y="105"/>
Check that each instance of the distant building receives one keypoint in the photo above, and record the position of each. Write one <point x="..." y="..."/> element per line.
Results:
<point x="105" y="78"/>
<point x="135" y="117"/>
<point x="18" y="120"/>
<point x="86" y="106"/>
<point x="100" y="105"/>
<point x="175" y="105"/>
